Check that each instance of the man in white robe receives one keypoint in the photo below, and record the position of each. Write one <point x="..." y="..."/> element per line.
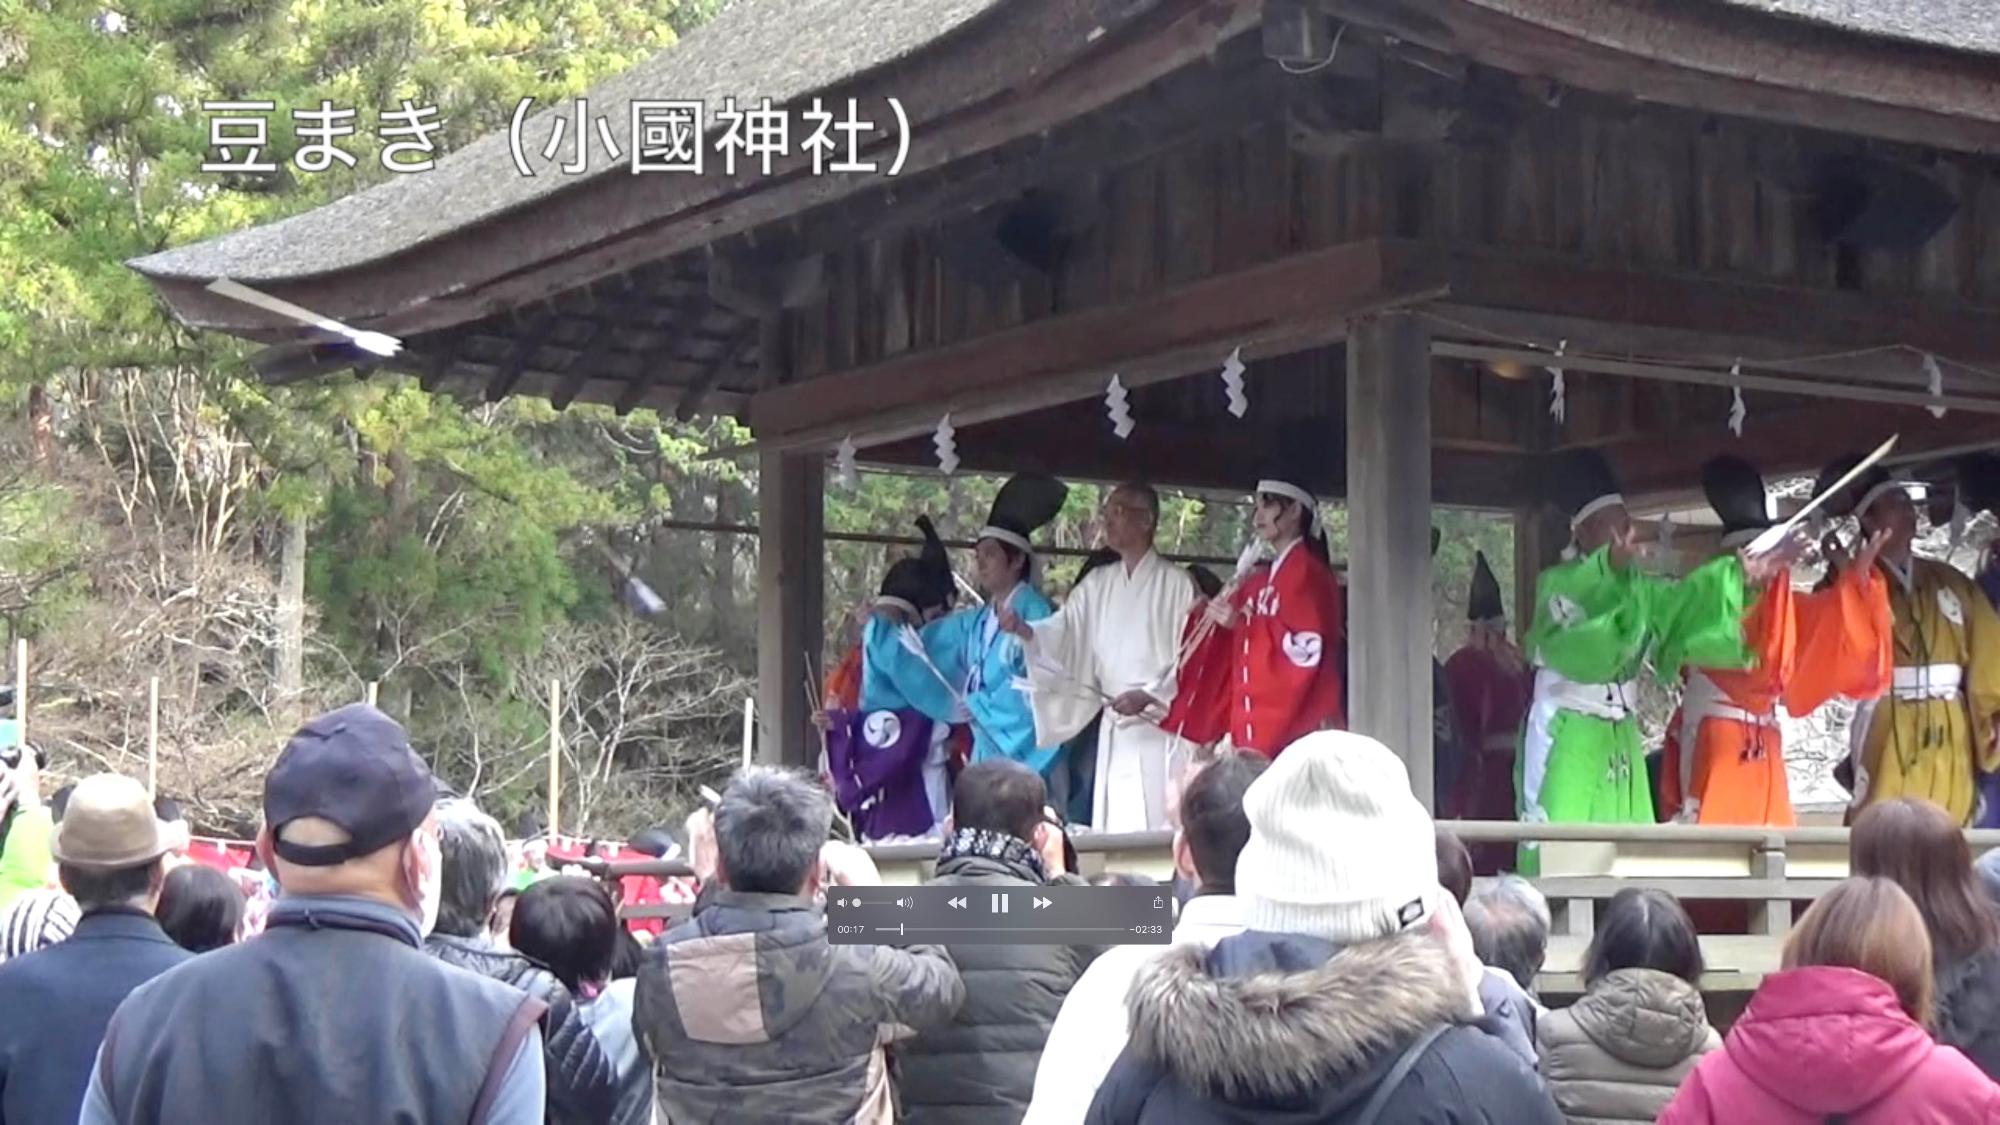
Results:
<point x="1112" y="646"/>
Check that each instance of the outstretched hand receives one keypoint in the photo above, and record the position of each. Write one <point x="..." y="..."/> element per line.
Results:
<point x="1011" y="623"/>
<point x="1624" y="547"/>
<point x="1762" y="567"/>
<point x="1864" y="560"/>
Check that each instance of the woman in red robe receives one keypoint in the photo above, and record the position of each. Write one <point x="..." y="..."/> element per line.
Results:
<point x="1260" y="662"/>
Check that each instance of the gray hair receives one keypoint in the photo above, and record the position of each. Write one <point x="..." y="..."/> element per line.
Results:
<point x="1510" y="924"/>
<point x="769" y="829"/>
<point x="1987" y="867"/>
<point x="475" y="867"/>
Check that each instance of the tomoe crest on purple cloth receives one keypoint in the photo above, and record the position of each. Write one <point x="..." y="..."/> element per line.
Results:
<point x="877" y="762"/>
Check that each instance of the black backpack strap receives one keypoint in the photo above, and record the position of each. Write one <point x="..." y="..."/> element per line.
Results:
<point x="1407" y="1062"/>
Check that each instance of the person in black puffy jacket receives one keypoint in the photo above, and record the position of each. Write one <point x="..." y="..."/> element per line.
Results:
<point x="980" y="1067"/>
<point x="582" y="1086"/>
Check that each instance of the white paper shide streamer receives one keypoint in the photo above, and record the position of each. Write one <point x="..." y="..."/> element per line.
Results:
<point x="1558" y="393"/>
<point x="844" y="467"/>
<point x="945" y="440"/>
<point x="1934" y="378"/>
<point x="1960" y="516"/>
<point x="1232" y="384"/>
<point x="1737" y="411"/>
<point x="1118" y="409"/>
<point x="375" y="343"/>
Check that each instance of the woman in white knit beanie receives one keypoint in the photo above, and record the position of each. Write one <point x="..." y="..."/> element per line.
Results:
<point x="1341" y="849"/>
<point x="1353" y="992"/>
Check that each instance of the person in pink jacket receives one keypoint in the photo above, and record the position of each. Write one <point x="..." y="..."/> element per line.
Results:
<point x="1840" y="1034"/>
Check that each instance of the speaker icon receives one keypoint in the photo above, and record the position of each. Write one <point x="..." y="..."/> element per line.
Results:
<point x="906" y="903"/>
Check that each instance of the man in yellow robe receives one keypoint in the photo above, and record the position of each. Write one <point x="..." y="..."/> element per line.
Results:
<point x="1931" y="735"/>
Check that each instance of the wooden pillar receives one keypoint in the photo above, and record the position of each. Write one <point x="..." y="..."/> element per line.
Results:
<point x="1388" y="533"/>
<point x="1539" y="538"/>
<point x="791" y="588"/>
<point x="790" y="599"/>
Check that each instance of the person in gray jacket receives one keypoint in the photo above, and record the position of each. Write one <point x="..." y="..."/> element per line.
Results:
<point x="1619" y="1053"/>
<point x="981" y="1067"/>
<point x="582" y="1086"/>
<point x="746" y="1012"/>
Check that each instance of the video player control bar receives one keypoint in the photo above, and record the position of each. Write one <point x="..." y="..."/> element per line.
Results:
<point x="960" y="915"/>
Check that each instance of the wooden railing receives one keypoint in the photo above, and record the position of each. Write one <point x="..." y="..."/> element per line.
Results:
<point x="1769" y="870"/>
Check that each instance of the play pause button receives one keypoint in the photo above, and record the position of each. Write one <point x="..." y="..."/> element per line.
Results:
<point x="956" y="903"/>
<point x="999" y="904"/>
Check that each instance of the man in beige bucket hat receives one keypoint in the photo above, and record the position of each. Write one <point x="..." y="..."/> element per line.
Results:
<point x="109" y="851"/>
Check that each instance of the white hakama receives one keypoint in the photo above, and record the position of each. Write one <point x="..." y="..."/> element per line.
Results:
<point x="1117" y="632"/>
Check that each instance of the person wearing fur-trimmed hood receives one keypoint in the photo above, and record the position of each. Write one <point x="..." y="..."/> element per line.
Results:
<point x="1352" y="998"/>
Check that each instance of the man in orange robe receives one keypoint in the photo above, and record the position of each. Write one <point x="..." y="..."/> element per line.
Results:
<point x="1725" y="755"/>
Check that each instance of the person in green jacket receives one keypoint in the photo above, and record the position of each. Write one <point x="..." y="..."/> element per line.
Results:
<point x="24" y="849"/>
<point x="1599" y="621"/>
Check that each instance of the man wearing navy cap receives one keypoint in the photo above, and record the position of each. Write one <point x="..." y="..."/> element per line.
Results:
<point x="334" y="1013"/>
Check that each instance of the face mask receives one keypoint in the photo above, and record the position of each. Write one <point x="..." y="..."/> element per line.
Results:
<point x="430" y="885"/>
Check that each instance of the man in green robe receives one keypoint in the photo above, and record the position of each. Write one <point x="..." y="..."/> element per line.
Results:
<point x="1598" y="622"/>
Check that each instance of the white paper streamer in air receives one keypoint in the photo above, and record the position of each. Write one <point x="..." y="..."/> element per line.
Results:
<point x="1558" y="393"/>
<point x="845" y="470"/>
<point x="1934" y="376"/>
<point x="1737" y="411"/>
<point x="1232" y="384"/>
<point x="1118" y="408"/>
<point x="1960" y="516"/>
<point x="946" y="442"/>
<point x="377" y="343"/>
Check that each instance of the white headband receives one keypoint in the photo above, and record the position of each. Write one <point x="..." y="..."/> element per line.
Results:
<point x="887" y="602"/>
<point x="1594" y="507"/>
<point x="1869" y="497"/>
<point x="1293" y="492"/>
<point x="1019" y="542"/>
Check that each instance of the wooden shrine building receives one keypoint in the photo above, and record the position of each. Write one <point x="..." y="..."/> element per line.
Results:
<point x="1399" y="211"/>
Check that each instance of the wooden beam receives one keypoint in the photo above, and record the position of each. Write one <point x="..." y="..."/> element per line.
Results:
<point x="525" y="346"/>
<point x="1075" y="443"/>
<point x="1712" y="57"/>
<point x="692" y="397"/>
<point x="1786" y="442"/>
<point x="1277" y="307"/>
<point x="1870" y="393"/>
<point x="1806" y="319"/>
<point x="1388" y="532"/>
<point x="583" y="363"/>
<point x="444" y="353"/>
